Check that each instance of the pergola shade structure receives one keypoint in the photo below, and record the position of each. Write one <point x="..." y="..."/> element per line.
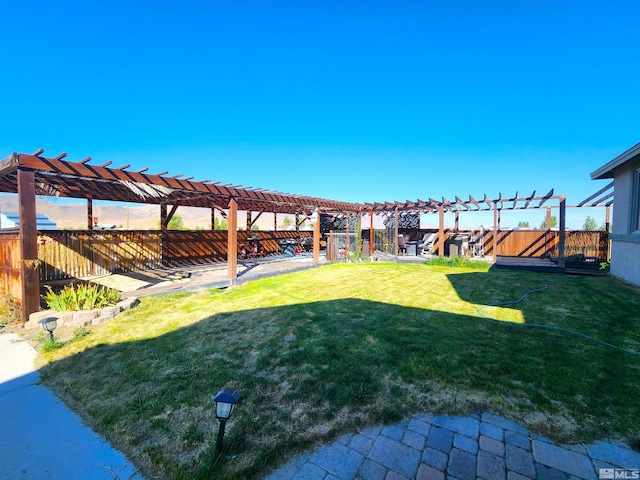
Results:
<point x="31" y="175"/>
<point x="458" y="205"/>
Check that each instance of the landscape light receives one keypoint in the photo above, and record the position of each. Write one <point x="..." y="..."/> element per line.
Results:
<point x="49" y="324"/>
<point x="225" y="401"/>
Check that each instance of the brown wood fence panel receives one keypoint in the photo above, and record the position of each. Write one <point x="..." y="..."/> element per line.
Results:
<point x="10" y="285"/>
<point x="538" y="243"/>
<point x="181" y="246"/>
<point x="525" y="243"/>
<point x="76" y="254"/>
<point x="590" y="243"/>
<point x="192" y="247"/>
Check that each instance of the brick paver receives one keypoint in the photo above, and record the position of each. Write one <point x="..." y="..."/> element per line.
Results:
<point x="484" y="447"/>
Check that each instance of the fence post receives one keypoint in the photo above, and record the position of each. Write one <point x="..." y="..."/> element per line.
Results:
<point x="29" y="265"/>
<point x="232" y="241"/>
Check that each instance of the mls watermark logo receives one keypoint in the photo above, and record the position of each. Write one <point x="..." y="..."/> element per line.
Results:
<point x="624" y="473"/>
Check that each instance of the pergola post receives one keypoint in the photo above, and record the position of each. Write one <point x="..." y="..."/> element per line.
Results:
<point x="441" y="231"/>
<point x="213" y="218"/>
<point x="562" y="230"/>
<point x="371" y="234"/>
<point x="275" y="222"/>
<point x="164" y="235"/>
<point x="547" y="233"/>
<point x="232" y="242"/>
<point x="496" y="229"/>
<point x="346" y="240"/>
<point x="249" y="220"/>
<point x="316" y="238"/>
<point x="90" y="222"/>
<point x="395" y="233"/>
<point x="457" y="220"/>
<point x="29" y="265"/>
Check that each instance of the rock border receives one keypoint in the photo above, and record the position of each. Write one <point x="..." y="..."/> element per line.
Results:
<point x="82" y="318"/>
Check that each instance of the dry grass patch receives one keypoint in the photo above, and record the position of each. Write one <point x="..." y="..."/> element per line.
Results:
<point x="327" y="351"/>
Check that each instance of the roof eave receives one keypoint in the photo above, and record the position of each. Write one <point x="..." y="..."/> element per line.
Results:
<point x="607" y="170"/>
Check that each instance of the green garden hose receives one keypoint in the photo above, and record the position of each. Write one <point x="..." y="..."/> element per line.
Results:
<point x="550" y="327"/>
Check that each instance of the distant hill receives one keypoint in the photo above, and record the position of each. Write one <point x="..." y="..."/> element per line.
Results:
<point x="140" y="217"/>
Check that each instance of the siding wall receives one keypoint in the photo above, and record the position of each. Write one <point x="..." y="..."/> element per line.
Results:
<point x="625" y="243"/>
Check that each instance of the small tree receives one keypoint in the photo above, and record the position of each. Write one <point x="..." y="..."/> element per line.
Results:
<point x="286" y="223"/>
<point x="554" y="222"/>
<point x="590" y="223"/>
<point x="174" y="224"/>
<point x="220" y="224"/>
<point x="523" y="224"/>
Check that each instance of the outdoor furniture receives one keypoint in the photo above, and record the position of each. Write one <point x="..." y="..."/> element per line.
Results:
<point x="288" y="247"/>
<point x="427" y="243"/>
<point x="476" y="244"/>
<point x="402" y="246"/>
<point x="411" y="248"/>
<point x="458" y="245"/>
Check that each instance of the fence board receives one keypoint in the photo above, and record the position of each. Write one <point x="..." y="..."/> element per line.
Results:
<point x="10" y="286"/>
<point x="77" y="254"/>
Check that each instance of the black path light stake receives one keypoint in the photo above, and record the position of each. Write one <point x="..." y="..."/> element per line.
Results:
<point x="49" y="324"/>
<point x="225" y="401"/>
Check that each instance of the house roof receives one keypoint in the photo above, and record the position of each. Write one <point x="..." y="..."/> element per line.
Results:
<point x="608" y="170"/>
<point x="43" y="222"/>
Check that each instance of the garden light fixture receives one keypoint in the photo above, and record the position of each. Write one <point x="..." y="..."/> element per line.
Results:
<point x="225" y="401"/>
<point x="49" y="324"/>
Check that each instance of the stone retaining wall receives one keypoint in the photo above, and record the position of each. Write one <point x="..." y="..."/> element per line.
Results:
<point x="82" y="318"/>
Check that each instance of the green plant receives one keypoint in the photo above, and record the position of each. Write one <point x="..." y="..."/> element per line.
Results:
<point x="81" y="297"/>
<point x="8" y="313"/>
<point x="590" y="223"/>
<point x="80" y="332"/>
<point x="554" y="222"/>
<point x="604" y="266"/>
<point x="459" y="262"/>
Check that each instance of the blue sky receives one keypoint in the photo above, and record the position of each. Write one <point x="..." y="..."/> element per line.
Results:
<point x="356" y="101"/>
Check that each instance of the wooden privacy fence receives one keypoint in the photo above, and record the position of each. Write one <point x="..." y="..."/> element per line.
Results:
<point x="10" y="268"/>
<point x="77" y="254"/>
<point x="527" y="243"/>
<point x="185" y="247"/>
<point x="588" y="243"/>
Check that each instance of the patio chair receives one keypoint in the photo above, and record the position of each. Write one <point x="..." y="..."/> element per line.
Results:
<point x="427" y="243"/>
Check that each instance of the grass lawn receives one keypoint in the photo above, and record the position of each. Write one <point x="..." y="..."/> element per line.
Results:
<point x="327" y="351"/>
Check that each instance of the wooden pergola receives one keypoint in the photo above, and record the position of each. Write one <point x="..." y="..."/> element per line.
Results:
<point x="601" y="198"/>
<point x="496" y="205"/>
<point x="29" y="175"/>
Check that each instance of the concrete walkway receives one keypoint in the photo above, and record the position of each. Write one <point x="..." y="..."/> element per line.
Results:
<point x="40" y="438"/>
<point x="445" y="447"/>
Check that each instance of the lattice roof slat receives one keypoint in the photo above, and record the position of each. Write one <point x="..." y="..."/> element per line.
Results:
<point x="58" y="177"/>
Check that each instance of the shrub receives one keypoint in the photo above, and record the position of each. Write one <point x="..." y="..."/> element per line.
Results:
<point x="460" y="262"/>
<point x="81" y="297"/>
<point x="8" y="312"/>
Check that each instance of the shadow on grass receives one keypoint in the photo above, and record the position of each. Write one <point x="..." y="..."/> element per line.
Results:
<point x="312" y="371"/>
